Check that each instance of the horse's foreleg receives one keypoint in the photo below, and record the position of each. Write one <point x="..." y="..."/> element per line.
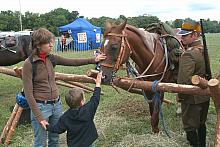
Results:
<point x="155" y="115"/>
<point x="154" y="118"/>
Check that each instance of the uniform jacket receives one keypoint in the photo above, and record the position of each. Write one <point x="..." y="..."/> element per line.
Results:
<point x="192" y="63"/>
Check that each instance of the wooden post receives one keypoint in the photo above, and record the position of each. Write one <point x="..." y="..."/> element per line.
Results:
<point x="199" y="81"/>
<point x="13" y="126"/>
<point x="215" y="92"/>
<point x="8" y="124"/>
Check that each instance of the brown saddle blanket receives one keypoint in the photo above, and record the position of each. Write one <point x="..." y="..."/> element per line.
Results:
<point x="147" y="37"/>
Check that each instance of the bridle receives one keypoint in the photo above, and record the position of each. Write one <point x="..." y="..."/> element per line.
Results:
<point x="121" y="54"/>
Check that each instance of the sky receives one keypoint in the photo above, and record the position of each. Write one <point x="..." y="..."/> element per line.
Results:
<point x="165" y="10"/>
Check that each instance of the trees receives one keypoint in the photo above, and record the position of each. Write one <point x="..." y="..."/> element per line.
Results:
<point x="58" y="17"/>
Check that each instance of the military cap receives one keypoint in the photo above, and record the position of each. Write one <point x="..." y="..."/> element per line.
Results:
<point x="189" y="27"/>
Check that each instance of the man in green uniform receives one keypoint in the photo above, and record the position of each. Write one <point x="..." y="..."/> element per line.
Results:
<point x="194" y="107"/>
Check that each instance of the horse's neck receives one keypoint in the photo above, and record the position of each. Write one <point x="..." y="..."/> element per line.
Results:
<point x="141" y="55"/>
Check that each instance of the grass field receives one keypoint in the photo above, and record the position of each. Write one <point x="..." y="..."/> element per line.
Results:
<point x="122" y="118"/>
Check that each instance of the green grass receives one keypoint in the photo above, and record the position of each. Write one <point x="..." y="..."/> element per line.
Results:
<point x="122" y="118"/>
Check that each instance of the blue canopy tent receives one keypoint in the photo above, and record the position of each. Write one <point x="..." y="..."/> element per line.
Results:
<point x="85" y="35"/>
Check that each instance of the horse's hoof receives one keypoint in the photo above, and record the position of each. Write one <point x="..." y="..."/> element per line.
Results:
<point x="156" y="130"/>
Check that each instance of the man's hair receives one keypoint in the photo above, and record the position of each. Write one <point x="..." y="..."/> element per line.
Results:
<point x="41" y="36"/>
<point x="74" y="97"/>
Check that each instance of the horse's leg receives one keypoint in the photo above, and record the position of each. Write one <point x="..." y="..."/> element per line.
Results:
<point x="155" y="115"/>
<point x="154" y="118"/>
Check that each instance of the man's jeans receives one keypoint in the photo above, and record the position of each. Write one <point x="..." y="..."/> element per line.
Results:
<point x="51" y="113"/>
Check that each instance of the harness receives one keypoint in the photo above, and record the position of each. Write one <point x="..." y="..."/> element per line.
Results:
<point x="8" y="42"/>
<point x="121" y="55"/>
<point x="134" y="73"/>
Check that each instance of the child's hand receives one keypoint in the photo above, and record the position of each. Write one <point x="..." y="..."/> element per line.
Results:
<point x="98" y="79"/>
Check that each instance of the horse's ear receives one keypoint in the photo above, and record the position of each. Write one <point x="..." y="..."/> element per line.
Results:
<point x="122" y="26"/>
<point x="108" y="25"/>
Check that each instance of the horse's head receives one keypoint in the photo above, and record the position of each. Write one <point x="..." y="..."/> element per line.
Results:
<point x="115" y="46"/>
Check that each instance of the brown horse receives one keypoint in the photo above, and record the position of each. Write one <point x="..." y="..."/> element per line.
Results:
<point x="124" y="41"/>
<point x="10" y="55"/>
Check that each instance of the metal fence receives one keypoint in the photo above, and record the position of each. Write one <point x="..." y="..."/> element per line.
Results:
<point x="74" y="45"/>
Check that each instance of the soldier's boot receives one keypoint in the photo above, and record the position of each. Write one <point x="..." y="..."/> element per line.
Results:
<point x="192" y="137"/>
<point x="202" y="135"/>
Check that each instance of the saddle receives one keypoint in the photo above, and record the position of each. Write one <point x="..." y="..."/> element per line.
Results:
<point x="9" y="42"/>
<point x="148" y="38"/>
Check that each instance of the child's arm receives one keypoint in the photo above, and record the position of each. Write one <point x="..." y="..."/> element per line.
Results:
<point x="96" y="95"/>
<point x="58" y="128"/>
<point x="89" y="110"/>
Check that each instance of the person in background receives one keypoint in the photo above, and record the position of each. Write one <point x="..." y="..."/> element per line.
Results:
<point x="194" y="107"/>
<point x="63" y="42"/>
<point x="40" y="87"/>
<point x="78" y="119"/>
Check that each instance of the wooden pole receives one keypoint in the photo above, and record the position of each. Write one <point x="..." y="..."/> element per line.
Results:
<point x="13" y="126"/>
<point x="92" y="73"/>
<point x="82" y="86"/>
<point x="8" y="71"/>
<point x="71" y="86"/>
<point x="58" y="76"/>
<point x="199" y="81"/>
<point x="18" y="71"/>
<point x="162" y="87"/>
<point x="8" y="124"/>
<point x="76" y="78"/>
<point x="217" y="130"/>
<point x="215" y="92"/>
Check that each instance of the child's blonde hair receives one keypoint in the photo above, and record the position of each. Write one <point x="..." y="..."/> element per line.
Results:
<point x="74" y="97"/>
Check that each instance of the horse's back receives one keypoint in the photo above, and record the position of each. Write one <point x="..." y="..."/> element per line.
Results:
<point x="148" y="38"/>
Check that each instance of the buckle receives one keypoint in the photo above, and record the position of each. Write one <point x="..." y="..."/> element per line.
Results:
<point x="48" y="102"/>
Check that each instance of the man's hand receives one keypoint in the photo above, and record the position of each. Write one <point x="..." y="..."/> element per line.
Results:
<point x="44" y="123"/>
<point x="98" y="79"/>
<point x="100" y="57"/>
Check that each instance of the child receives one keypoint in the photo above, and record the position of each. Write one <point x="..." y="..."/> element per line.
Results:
<point x="78" y="119"/>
